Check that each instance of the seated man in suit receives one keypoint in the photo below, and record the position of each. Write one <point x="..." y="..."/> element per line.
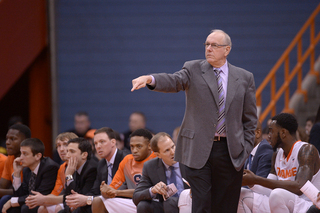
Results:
<point x="156" y="175"/>
<point x="259" y="161"/>
<point x="48" y="203"/>
<point x="129" y="172"/>
<point x="39" y="174"/>
<point x="80" y="174"/>
<point x="15" y="135"/>
<point x="105" y="144"/>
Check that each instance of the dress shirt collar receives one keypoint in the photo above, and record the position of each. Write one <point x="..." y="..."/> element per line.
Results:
<point x="176" y="165"/>
<point x="224" y="69"/>
<point x="35" y="171"/>
<point x="112" y="158"/>
<point x="80" y="168"/>
<point x="253" y="152"/>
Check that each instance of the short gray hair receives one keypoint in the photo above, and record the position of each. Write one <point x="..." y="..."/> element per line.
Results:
<point x="227" y="38"/>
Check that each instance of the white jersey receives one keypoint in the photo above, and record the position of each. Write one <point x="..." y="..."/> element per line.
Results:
<point x="286" y="168"/>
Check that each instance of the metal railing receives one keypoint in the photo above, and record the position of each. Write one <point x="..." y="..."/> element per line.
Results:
<point x="289" y="75"/>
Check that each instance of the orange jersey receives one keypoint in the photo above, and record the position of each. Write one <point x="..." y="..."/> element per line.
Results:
<point x="8" y="169"/>
<point x="61" y="177"/>
<point x="129" y="171"/>
<point x="3" y="159"/>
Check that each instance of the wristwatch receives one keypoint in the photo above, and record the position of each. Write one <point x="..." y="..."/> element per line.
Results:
<point x="89" y="200"/>
<point x="69" y="177"/>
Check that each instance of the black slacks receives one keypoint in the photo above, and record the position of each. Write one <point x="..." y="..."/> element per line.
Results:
<point x="216" y="186"/>
<point x="23" y="209"/>
<point x="83" y="209"/>
<point x="313" y="209"/>
<point x="150" y="206"/>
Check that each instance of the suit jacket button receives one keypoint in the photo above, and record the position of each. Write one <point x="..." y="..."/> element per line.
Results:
<point x="214" y="125"/>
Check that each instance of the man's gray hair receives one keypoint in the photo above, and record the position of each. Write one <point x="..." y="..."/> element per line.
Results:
<point x="227" y="38"/>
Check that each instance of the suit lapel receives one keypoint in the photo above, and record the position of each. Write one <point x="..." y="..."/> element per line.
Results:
<point x="161" y="171"/>
<point x="117" y="161"/>
<point x="254" y="164"/>
<point x="80" y="176"/>
<point x="104" y="172"/>
<point x="232" y="86"/>
<point x="211" y="80"/>
<point x="36" y="184"/>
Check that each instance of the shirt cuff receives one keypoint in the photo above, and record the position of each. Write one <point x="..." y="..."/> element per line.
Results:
<point x="153" y="82"/>
<point x="151" y="194"/>
<point x="14" y="201"/>
<point x="68" y="182"/>
<point x="16" y="183"/>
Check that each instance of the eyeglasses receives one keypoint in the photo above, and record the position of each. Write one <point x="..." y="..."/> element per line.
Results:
<point x="214" y="45"/>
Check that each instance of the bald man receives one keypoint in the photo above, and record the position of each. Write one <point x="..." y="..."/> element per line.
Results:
<point x="217" y="131"/>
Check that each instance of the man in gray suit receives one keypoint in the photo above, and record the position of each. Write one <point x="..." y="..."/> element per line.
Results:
<point x="156" y="175"/>
<point x="217" y="132"/>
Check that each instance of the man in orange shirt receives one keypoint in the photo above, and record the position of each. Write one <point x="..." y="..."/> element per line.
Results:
<point x="129" y="172"/>
<point x="15" y="135"/>
<point x="3" y="159"/>
<point x="48" y="203"/>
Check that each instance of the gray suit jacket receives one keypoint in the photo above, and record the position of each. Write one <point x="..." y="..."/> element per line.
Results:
<point x="153" y="172"/>
<point x="198" y="127"/>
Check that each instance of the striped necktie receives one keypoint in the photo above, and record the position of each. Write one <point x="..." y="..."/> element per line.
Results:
<point x="221" y="119"/>
<point x="110" y="166"/>
<point x="173" y="179"/>
<point x="32" y="182"/>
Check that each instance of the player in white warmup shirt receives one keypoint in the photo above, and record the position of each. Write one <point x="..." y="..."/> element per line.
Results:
<point x="295" y="163"/>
